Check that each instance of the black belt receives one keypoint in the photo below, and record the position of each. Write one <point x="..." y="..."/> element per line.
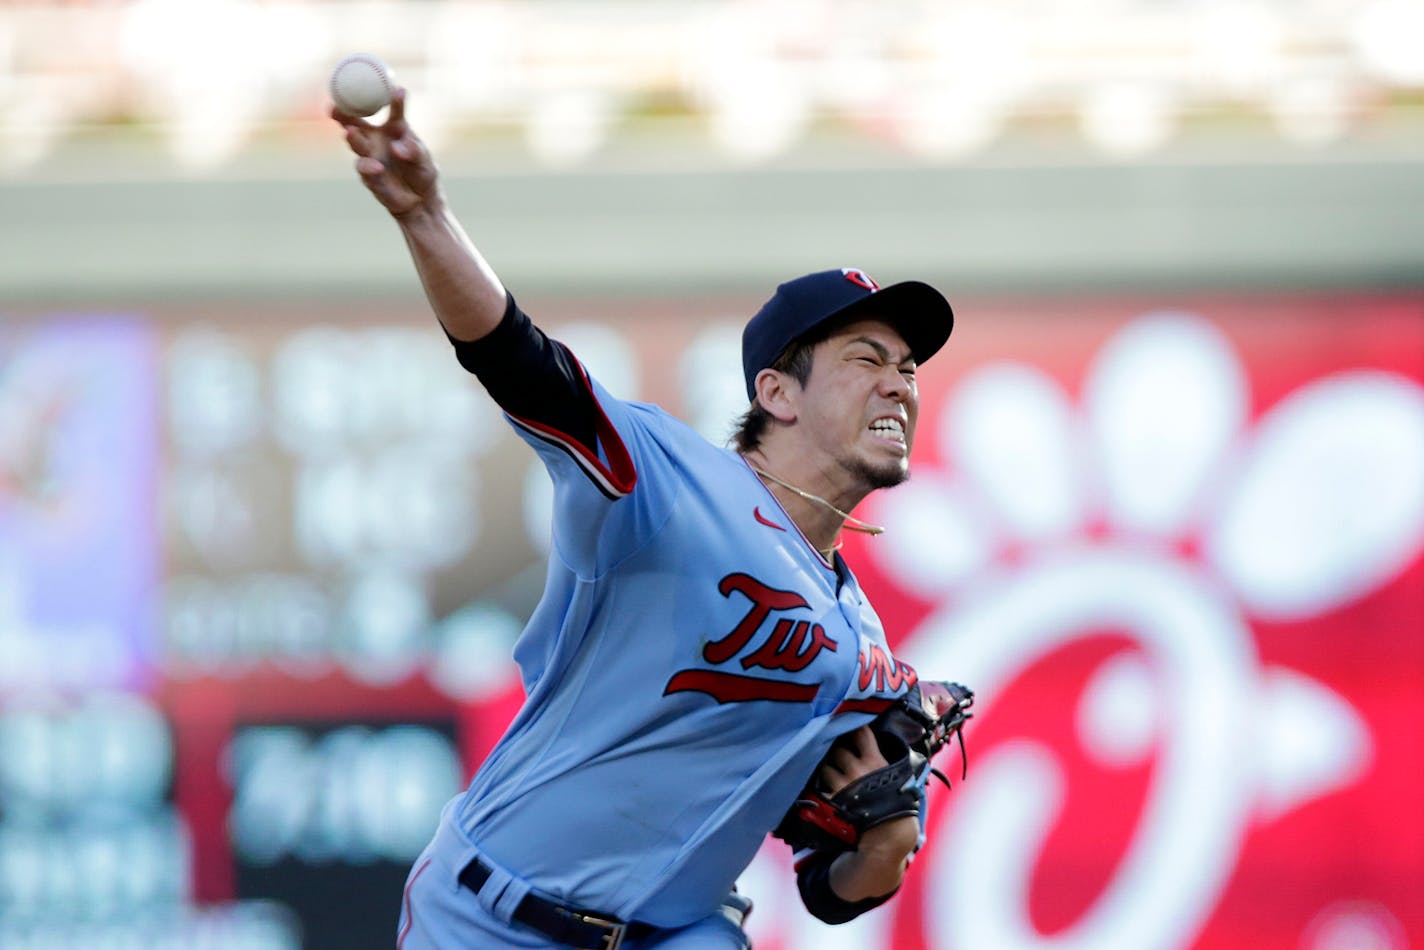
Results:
<point x="567" y="925"/>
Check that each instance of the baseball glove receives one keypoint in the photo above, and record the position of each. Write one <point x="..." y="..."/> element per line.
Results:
<point x="909" y="734"/>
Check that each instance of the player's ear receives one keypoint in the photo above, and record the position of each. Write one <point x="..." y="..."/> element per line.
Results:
<point x="776" y="391"/>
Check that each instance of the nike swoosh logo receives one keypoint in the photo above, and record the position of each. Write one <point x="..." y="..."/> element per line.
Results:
<point x="756" y="513"/>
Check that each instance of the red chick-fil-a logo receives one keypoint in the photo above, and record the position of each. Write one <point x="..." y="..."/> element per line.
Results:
<point x="1162" y="513"/>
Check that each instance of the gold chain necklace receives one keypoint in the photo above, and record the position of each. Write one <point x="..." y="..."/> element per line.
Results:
<point x="851" y="523"/>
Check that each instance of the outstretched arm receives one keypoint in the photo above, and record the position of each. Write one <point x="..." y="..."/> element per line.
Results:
<point x="395" y="165"/>
<point x="530" y="376"/>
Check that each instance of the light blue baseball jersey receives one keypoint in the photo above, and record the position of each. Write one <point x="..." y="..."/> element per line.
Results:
<point x="691" y="661"/>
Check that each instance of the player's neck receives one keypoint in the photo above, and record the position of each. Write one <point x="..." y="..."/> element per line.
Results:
<point x="818" y="517"/>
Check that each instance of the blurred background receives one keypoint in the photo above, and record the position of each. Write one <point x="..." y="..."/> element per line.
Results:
<point x="264" y="548"/>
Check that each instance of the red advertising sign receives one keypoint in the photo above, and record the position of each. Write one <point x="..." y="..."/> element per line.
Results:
<point x="1178" y="555"/>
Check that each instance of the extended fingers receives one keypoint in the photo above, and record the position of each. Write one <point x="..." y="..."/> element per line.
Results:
<point x="346" y="120"/>
<point x="369" y="143"/>
<point x="405" y="145"/>
<point x="391" y="139"/>
<point x="397" y="113"/>
<point x="391" y="161"/>
<point x="374" y="177"/>
<point x="406" y="149"/>
<point x="360" y="140"/>
<point x="390" y="190"/>
<point x="411" y="160"/>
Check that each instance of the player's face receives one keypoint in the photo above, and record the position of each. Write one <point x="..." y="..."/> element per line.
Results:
<point x="862" y="402"/>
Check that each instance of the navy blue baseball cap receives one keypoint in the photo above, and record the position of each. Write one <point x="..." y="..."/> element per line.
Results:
<point x="917" y="311"/>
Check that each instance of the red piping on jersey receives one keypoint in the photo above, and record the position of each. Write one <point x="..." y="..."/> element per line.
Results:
<point x="873" y="705"/>
<point x="616" y="478"/>
<point x="410" y="914"/>
<point x="736" y="688"/>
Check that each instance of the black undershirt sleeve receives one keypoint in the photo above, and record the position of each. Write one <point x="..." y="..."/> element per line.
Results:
<point x="813" y="880"/>
<point x="531" y="376"/>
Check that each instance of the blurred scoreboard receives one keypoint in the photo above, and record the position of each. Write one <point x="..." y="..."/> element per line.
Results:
<point x="261" y="574"/>
<point x="260" y="578"/>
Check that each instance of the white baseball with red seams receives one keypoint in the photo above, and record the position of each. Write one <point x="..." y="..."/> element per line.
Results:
<point x="361" y="84"/>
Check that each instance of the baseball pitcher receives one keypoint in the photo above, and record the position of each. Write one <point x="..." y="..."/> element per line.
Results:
<point x="703" y="668"/>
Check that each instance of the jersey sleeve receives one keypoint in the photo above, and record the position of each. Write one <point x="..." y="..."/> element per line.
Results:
<point x="531" y="377"/>
<point x="595" y="447"/>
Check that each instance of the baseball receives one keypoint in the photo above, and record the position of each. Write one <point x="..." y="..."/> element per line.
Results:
<point x="361" y="85"/>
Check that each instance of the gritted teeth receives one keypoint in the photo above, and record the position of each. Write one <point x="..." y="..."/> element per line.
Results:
<point x="888" y="426"/>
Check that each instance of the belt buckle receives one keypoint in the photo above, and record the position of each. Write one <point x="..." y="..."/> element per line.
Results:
<point x="616" y="930"/>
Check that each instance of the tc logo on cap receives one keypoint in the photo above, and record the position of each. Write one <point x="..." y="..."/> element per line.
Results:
<point x="860" y="278"/>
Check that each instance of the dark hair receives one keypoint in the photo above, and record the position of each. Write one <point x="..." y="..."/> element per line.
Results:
<point x="795" y="361"/>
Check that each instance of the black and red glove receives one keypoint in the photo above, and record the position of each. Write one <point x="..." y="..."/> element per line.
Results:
<point x="909" y="735"/>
